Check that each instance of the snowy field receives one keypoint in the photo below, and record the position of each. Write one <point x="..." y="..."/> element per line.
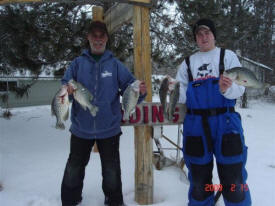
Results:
<point x="33" y="155"/>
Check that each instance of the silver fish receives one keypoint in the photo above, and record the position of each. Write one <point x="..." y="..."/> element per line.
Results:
<point x="163" y="91"/>
<point x="60" y="107"/>
<point x="243" y="76"/>
<point x="130" y="99"/>
<point x="83" y="97"/>
<point x="173" y="99"/>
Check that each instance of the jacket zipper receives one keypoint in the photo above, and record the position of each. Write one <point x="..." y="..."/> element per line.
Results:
<point x="96" y="82"/>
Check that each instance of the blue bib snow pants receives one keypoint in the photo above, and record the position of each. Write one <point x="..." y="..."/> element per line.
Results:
<point x="212" y="127"/>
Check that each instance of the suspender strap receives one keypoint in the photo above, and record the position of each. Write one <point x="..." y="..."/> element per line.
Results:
<point x="187" y="61"/>
<point x="221" y="65"/>
<point x="205" y="113"/>
<point x="207" y="132"/>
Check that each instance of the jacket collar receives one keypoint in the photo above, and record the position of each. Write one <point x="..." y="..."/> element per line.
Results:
<point x="106" y="55"/>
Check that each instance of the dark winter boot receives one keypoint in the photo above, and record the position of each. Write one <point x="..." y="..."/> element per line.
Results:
<point x="78" y="204"/>
<point x="107" y="202"/>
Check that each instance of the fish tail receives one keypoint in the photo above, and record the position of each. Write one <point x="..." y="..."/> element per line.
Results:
<point x="93" y="110"/>
<point x="126" y="116"/>
<point x="59" y="125"/>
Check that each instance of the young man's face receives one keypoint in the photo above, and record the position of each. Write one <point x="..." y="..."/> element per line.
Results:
<point x="205" y="39"/>
<point x="97" y="40"/>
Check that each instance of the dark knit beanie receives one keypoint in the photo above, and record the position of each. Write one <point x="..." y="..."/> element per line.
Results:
<point x="206" y="23"/>
<point x="98" y="25"/>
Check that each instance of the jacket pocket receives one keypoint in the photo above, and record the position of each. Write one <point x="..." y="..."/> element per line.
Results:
<point x="194" y="146"/>
<point x="231" y="145"/>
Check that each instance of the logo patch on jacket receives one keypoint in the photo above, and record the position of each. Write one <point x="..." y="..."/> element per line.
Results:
<point x="106" y="74"/>
<point x="204" y="72"/>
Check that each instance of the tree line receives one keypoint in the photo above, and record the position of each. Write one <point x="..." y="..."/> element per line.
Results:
<point x="39" y="36"/>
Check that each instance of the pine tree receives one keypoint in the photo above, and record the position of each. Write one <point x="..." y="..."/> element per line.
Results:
<point x="37" y="35"/>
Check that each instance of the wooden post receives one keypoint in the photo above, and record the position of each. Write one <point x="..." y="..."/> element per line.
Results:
<point x="98" y="13"/>
<point x="143" y="1"/>
<point x="143" y="134"/>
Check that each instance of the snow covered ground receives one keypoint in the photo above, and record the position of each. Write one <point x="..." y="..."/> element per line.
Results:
<point x="33" y="155"/>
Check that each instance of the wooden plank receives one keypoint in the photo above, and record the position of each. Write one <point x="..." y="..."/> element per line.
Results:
<point x="97" y="13"/>
<point x="141" y="1"/>
<point x="18" y="1"/>
<point x="146" y="3"/>
<point x="118" y="15"/>
<point x="143" y="134"/>
<point x="151" y="113"/>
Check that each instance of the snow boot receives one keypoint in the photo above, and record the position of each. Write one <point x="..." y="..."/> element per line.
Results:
<point x="108" y="203"/>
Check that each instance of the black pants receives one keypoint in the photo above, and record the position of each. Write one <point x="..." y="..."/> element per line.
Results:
<point x="72" y="184"/>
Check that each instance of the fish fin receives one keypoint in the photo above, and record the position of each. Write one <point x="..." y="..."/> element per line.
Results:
<point x="93" y="110"/>
<point x="52" y="112"/>
<point x="126" y="116"/>
<point x="60" y="125"/>
<point x="91" y="98"/>
<point x="133" y="111"/>
<point x="52" y="106"/>
<point x="83" y="107"/>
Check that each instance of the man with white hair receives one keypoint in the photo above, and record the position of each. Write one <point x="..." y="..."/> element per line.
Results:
<point x="106" y="78"/>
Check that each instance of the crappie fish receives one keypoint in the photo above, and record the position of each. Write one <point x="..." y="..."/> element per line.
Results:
<point x="60" y="107"/>
<point x="243" y="76"/>
<point x="83" y="97"/>
<point x="171" y="87"/>
<point x="173" y="98"/>
<point x="163" y="91"/>
<point x="130" y="99"/>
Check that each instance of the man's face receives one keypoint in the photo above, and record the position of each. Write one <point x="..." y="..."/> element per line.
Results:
<point x="205" y="39"/>
<point x="97" y="40"/>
